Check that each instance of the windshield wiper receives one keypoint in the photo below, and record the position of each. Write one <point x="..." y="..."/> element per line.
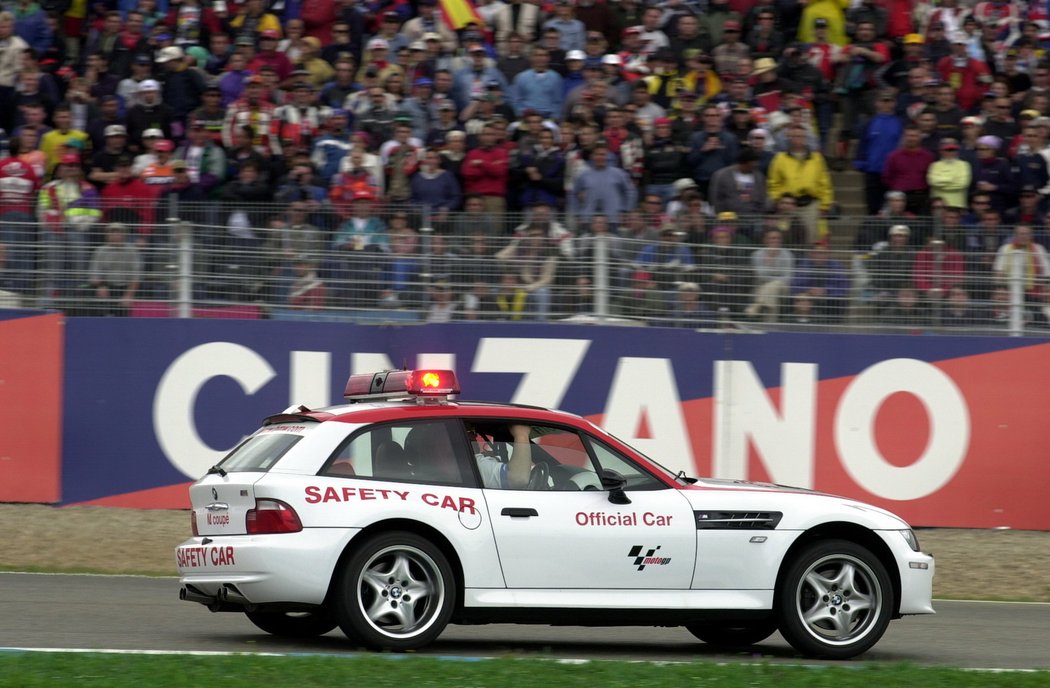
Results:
<point x="685" y="478"/>
<point x="217" y="469"/>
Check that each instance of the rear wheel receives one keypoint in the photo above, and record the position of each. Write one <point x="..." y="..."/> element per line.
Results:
<point x="733" y="633"/>
<point x="293" y="624"/>
<point x="397" y="592"/>
<point x="835" y="600"/>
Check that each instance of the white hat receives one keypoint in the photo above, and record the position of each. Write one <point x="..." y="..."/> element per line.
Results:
<point x="169" y="54"/>
<point x="575" y="55"/>
<point x="681" y="185"/>
<point x="153" y="134"/>
<point x="417" y="45"/>
<point x="960" y="37"/>
<point x="378" y="44"/>
<point x="612" y="59"/>
<point x="115" y="130"/>
<point x="148" y="85"/>
<point x="899" y="230"/>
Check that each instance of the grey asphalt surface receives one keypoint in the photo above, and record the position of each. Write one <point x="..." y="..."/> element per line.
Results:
<point x="101" y="612"/>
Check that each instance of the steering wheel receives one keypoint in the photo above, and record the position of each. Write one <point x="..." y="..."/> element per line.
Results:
<point x="540" y="477"/>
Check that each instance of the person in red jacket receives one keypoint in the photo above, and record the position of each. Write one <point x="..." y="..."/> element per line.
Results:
<point x="938" y="269"/>
<point x="130" y="200"/>
<point x="969" y="77"/>
<point x="318" y="17"/>
<point x="905" y="170"/>
<point x="485" y="172"/>
<point x="19" y="186"/>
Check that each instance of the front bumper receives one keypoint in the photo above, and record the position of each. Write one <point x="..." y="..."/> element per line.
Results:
<point x="243" y="571"/>
<point x="916" y="571"/>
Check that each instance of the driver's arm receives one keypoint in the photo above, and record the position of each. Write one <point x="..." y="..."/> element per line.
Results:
<point x="519" y="467"/>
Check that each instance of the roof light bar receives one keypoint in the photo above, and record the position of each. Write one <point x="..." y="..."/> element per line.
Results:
<point x="393" y="383"/>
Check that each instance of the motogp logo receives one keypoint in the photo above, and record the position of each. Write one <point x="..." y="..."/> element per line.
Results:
<point x="647" y="559"/>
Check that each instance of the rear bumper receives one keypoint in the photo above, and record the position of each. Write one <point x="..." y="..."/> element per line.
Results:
<point x="237" y="572"/>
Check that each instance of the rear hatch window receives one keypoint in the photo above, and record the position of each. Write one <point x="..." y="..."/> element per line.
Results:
<point x="262" y="450"/>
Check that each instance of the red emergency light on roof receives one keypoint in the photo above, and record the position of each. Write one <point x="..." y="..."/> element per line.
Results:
<point x="392" y="383"/>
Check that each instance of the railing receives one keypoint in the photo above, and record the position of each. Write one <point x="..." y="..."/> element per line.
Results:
<point x="402" y="265"/>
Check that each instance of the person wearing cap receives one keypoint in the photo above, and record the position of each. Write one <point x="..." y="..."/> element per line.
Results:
<point x="254" y="111"/>
<point x="149" y="113"/>
<point x="67" y="207"/>
<point x="829" y="11"/>
<point x="52" y="142"/>
<point x="1028" y="212"/>
<point x="19" y="186"/>
<point x="252" y="18"/>
<point x="141" y="69"/>
<point x="880" y="136"/>
<point x="992" y="174"/>
<point x="949" y="178"/>
<point x="205" y="159"/>
<point x="104" y="160"/>
<point x="887" y="26"/>
<point x="183" y="86"/>
<point x="740" y="188"/>
<point x="298" y="121"/>
<point x="269" y="55"/>
<point x="469" y="83"/>
<point x="968" y="76"/>
<point x="728" y="54"/>
<point x="890" y="267"/>
<point x="430" y="21"/>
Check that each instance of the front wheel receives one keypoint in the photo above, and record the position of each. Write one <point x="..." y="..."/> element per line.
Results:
<point x="293" y="624"/>
<point x="397" y="592"/>
<point x="731" y="634"/>
<point x="835" y="600"/>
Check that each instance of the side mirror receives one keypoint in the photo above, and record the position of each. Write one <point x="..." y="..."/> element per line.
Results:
<point x="614" y="483"/>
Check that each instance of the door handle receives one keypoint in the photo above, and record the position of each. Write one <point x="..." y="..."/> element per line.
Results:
<point x="518" y="512"/>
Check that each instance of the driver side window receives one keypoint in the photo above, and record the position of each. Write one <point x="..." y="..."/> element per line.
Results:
<point x="552" y="459"/>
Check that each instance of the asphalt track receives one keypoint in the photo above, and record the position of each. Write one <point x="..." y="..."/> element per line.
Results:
<point x="134" y="613"/>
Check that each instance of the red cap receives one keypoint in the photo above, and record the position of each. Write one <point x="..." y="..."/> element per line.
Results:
<point x="69" y="159"/>
<point x="270" y="33"/>
<point x="731" y="24"/>
<point x="632" y="29"/>
<point x="363" y="195"/>
<point x="661" y="120"/>
<point x="164" y="145"/>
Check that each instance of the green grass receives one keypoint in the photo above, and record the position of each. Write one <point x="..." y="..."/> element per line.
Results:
<point x="29" y="669"/>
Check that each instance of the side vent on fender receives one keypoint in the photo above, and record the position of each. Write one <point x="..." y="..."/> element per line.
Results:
<point x="737" y="520"/>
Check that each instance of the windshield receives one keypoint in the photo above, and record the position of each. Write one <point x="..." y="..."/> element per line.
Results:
<point x="678" y="476"/>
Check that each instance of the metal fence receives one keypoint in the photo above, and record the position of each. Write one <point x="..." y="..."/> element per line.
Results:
<point x="314" y="261"/>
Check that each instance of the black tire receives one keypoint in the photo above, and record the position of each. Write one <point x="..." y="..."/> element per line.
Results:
<point x="835" y="600"/>
<point x="293" y="624"/>
<point x="396" y="592"/>
<point x="731" y="634"/>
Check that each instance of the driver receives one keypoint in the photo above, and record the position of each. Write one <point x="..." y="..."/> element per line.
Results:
<point x="515" y="473"/>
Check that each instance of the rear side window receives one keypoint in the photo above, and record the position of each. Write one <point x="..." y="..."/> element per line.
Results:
<point x="259" y="453"/>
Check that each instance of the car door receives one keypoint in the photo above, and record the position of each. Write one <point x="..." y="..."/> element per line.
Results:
<point x="570" y="535"/>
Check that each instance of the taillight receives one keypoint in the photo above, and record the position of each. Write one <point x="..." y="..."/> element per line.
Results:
<point x="272" y="516"/>
<point x="193" y="522"/>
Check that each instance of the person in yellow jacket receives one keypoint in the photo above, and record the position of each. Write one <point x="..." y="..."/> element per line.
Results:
<point x="831" y="10"/>
<point x="802" y="173"/>
<point x="949" y="178"/>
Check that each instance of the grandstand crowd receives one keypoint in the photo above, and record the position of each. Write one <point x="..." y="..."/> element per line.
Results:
<point x="475" y="160"/>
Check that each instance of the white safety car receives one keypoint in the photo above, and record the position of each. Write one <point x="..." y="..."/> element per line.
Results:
<point x="403" y="511"/>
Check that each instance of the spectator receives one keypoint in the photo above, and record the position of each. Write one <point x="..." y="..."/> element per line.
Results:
<point x="183" y="86"/>
<point x="533" y="262"/>
<point x="957" y="310"/>
<point x="710" y="149"/>
<point x="949" y="177"/>
<point x="1023" y="265"/>
<point x="538" y="88"/>
<point x="772" y="267"/>
<point x="856" y="76"/>
<point x="115" y="273"/>
<point x="16" y="36"/>
<point x="486" y="172"/>
<point x="739" y="188"/>
<point x="906" y="169"/>
<point x="938" y="271"/>
<point x="725" y="273"/>
<point x="803" y="174"/>
<point x="969" y="77"/>
<point x="67" y="207"/>
<point x="435" y="188"/>
<point x="603" y="189"/>
<point x="19" y="186"/>
<point x="880" y="137"/>
<point x="992" y="175"/>
<point x="308" y="292"/>
<point x="891" y="269"/>
<point x="819" y="288"/>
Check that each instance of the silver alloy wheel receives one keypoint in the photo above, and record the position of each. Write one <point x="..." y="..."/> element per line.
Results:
<point x="400" y="590"/>
<point x="839" y="599"/>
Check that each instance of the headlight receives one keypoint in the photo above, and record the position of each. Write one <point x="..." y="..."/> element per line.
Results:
<point x="910" y="538"/>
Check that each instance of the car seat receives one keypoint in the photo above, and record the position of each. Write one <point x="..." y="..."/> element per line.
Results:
<point x="391" y="461"/>
<point x="431" y="453"/>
